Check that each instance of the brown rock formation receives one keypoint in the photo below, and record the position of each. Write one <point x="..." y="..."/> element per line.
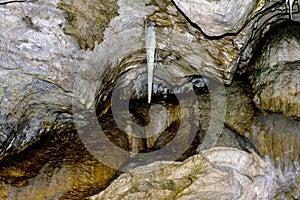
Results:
<point x="223" y="68"/>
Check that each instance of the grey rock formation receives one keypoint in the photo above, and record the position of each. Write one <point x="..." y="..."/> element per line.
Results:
<point x="217" y="18"/>
<point x="36" y="62"/>
<point x="61" y="62"/>
<point x="209" y="175"/>
<point x="275" y="76"/>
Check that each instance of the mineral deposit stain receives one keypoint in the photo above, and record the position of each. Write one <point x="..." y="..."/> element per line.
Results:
<point x="88" y="19"/>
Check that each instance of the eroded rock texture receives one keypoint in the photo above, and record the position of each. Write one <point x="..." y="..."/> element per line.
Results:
<point x="278" y="138"/>
<point x="205" y="176"/>
<point x="73" y="99"/>
<point x="36" y="67"/>
<point x="217" y="18"/>
<point x="275" y="76"/>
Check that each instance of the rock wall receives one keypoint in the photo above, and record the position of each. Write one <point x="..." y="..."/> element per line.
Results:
<point x="204" y="176"/>
<point x="227" y="75"/>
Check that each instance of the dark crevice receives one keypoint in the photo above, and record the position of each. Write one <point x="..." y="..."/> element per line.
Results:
<point x="15" y="1"/>
<point x="257" y="33"/>
<point x="139" y="111"/>
<point x="262" y="42"/>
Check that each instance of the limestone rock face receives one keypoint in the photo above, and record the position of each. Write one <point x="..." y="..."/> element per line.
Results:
<point x="35" y="74"/>
<point x="278" y="138"/>
<point x="217" y="18"/>
<point x="276" y="76"/>
<point x="41" y="157"/>
<point x="211" y="174"/>
<point x="239" y="108"/>
<point x="88" y="28"/>
<point x="61" y="62"/>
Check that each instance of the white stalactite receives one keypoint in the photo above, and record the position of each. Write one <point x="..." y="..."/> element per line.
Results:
<point x="150" y="51"/>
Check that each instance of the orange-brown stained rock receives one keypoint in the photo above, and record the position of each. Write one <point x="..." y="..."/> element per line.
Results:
<point x="278" y="138"/>
<point x="88" y="19"/>
<point x="276" y="74"/>
<point x="54" y="169"/>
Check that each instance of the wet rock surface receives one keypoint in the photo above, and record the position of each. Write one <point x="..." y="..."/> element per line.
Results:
<point x="56" y="167"/>
<point x="204" y="176"/>
<point x="278" y="138"/>
<point x="62" y="62"/>
<point x="35" y="73"/>
<point x="275" y="76"/>
<point x="240" y="108"/>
